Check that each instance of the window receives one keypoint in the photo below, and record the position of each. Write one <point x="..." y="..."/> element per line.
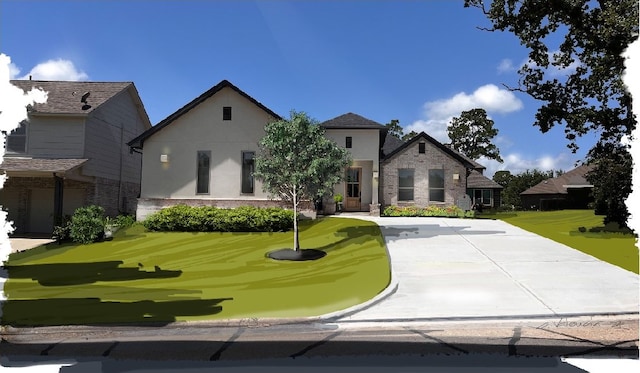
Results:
<point x="421" y="148"/>
<point x="405" y="184"/>
<point x="17" y="140"/>
<point x="436" y="185"/>
<point x="482" y="196"/>
<point x="204" y="160"/>
<point x="247" y="172"/>
<point x="226" y="113"/>
<point x="349" y="142"/>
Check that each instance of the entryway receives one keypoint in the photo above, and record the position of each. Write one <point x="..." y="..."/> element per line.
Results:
<point x="353" y="191"/>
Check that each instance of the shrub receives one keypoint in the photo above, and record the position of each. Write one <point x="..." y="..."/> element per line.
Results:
<point x="124" y="221"/>
<point x="62" y="232"/>
<point x="436" y="211"/>
<point x="182" y="218"/>
<point x="87" y="224"/>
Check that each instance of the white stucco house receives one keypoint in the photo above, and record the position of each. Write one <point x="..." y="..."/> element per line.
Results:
<point x="203" y="155"/>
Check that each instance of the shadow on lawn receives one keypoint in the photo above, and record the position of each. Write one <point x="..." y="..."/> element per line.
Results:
<point x="64" y="274"/>
<point x="352" y="235"/>
<point x="91" y="311"/>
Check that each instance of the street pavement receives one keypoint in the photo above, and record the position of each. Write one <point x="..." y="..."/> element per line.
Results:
<point x="460" y="288"/>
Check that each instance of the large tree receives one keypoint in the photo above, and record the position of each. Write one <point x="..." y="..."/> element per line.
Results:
<point x="298" y="163"/>
<point x="394" y="128"/>
<point x="471" y="134"/>
<point x="575" y="69"/>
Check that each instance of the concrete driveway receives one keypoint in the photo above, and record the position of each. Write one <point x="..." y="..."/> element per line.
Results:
<point x="484" y="269"/>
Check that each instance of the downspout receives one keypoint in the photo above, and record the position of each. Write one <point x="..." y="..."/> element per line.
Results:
<point x="120" y="176"/>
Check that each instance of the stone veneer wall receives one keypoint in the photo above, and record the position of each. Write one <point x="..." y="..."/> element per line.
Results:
<point x="433" y="158"/>
<point x="106" y="194"/>
<point x="147" y="206"/>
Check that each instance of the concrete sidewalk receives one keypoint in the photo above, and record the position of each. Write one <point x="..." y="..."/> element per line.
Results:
<point x="488" y="269"/>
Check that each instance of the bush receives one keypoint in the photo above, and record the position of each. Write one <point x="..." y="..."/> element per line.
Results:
<point x="62" y="232"/>
<point x="436" y="211"/>
<point x="87" y="224"/>
<point x="182" y="218"/>
<point x="124" y="221"/>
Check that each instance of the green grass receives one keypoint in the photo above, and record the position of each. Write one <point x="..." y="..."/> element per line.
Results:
<point x="162" y="277"/>
<point x="563" y="226"/>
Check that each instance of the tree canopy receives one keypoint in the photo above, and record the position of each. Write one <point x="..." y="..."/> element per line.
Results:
<point x="296" y="162"/>
<point x="575" y="69"/>
<point x="471" y="134"/>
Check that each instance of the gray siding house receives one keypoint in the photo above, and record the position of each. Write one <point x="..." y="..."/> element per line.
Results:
<point x="72" y="152"/>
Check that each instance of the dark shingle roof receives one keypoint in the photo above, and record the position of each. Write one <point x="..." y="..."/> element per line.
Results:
<point x="433" y="141"/>
<point x="391" y="143"/>
<point x="559" y="185"/>
<point x="476" y="180"/>
<point x="138" y="141"/>
<point x="351" y="121"/>
<point x="65" y="97"/>
<point x="40" y="164"/>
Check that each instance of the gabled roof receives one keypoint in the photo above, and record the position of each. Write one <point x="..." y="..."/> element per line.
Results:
<point x="352" y="121"/>
<point x="559" y="185"/>
<point x="433" y="141"/>
<point x="476" y="180"/>
<point x="138" y="141"/>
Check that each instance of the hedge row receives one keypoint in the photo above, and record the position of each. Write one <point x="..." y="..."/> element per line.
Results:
<point x="183" y="218"/>
<point x="449" y="211"/>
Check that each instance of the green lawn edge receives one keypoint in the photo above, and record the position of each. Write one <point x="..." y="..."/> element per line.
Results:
<point x="563" y="226"/>
<point x="142" y="276"/>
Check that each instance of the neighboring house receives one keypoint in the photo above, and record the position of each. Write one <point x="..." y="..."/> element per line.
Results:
<point x="72" y="152"/>
<point x="570" y="190"/>
<point x="363" y="138"/>
<point x="203" y="154"/>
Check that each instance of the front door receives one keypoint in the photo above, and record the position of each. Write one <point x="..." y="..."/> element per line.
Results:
<point x="354" y="189"/>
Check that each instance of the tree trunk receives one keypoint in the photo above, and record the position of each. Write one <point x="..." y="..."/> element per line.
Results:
<point x="296" y="242"/>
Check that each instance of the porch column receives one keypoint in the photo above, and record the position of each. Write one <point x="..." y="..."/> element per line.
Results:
<point x="58" y="193"/>
<point x="374" y="208"/>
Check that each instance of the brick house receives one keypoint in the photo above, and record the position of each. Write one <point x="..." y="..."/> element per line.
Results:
<point x="72" y="152"/>
<point x="570" y="190"/>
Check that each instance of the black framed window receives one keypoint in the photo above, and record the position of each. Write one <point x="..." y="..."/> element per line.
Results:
<point x="405" y="184"/>
<point x="226" y="113"/>
<point x="247" y="172"/>
<point x="204" y="164"/>
<point x="421" y="148"/>
<point x="436" y="185"/>
<point x="349" y="142"/>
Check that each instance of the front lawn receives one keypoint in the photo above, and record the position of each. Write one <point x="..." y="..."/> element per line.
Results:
<point x="144" y="276"/>
<point x="564" y="226"/>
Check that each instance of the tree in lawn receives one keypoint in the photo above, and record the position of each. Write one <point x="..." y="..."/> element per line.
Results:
<point x="579" y="78"/>
<point x="471" y="134"/>
<point x="298" y="163"/>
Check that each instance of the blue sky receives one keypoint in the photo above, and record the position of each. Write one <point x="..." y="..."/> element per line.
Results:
<point x="421" y="62"/>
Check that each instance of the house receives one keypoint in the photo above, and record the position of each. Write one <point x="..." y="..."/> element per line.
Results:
<point x="570" y="190"/>
<point x="482" y="190"/>
<point x="72" y="152"/>
<point x="203" y="153"/>
<point x="363" y="138"/>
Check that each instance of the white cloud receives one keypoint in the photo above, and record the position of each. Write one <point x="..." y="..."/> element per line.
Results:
<point x="56" y="70"/>
<point x="440" y="112"/>
<point x="506" y="66"/>
<point x="517" y="163"/>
